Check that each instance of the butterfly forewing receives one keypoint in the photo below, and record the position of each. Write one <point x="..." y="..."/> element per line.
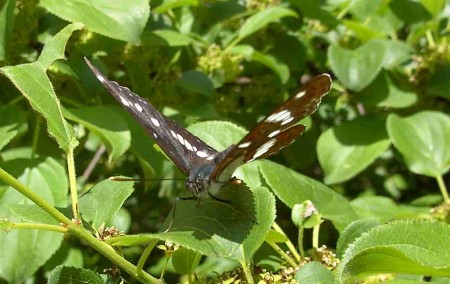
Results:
<point x="183" y="148"/>
<point x="277" y="130"/>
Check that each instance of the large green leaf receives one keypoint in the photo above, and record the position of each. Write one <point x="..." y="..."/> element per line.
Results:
<point x="106" y="124"/>
<point x="24" y="251"/>
<point x="12" y="123"/>
<point x="262" y="18"/>
<point x="273" y="63"/>
<point x="116" y="19"/>
<point x="213" y="228"/>
<point x="352" y="232"/>
<point x="102" y="201"/>
<point x="196" y="82"/>
<point x="165" y="38"/>
<point x="293" y="188"/>
<point x="33" y="83"/>
<point x="356" y="69"/>
<point x="185" y="261"/>
<point x="424" y="140"/>
<point x="407" y="247"/>
<point x="343" y="151"/>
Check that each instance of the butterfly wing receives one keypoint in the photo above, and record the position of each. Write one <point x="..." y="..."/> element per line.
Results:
<point x="182" y="147"/>
<point x="277" y="130"/>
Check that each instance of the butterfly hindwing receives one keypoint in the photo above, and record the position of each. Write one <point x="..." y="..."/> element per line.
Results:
<point x="277" y="130"/>
<point x="182" y="147"/>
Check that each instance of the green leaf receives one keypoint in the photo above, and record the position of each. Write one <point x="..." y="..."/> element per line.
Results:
<point x="356" y="69"/>
<point x="280" y="68"/>
<point x="218" y="134"/>
<point x="109" y="18"/>
<point x="424" y="141"/>
<point x="437" y="85"/>
<point x="196" y="82"/>
<point x="185" y="261"/>
<point x="362" y="31"/>
<point x="410" y="11"/>
<point x="12" y="123"/>
<point x="234" y="230"/>
<point x="275" y="237"/>
<point x="397" y="52"/>
<point x="384" y="92"/>
<point x="106" y="124"/>
<point x="407" y="247"/>
<point x="165" y="38"/>
<point x="167" y="5"/>
<point x="434" y="7"/>
<point x="293" y="188"/>
<point x="72" y="275"/>
<point x="352" y="232"/>
<point x="54" y="48"/>
<point x="33" y="83"/>
<point x="6" y="28"/>
<point x="24" y="251"/>
<point x="263" y="18"/>
<point x="102" y="201"/>
<point x="384" y="209"/>
<point x="343" y="152"/>
<point x="313" y="273"/>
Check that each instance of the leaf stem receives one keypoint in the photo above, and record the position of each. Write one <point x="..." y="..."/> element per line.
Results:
<point x="289" y="244"/>
<point x="44" y="227"/>
<point x="145" y="255"/>
<point x="301" y="233"/>
<point x="315" y="236"/>
<point x="443" y="188"/>
<point x="73" y="183"/>
<point x="283" y="254"/>
<point x="248" y="274"/>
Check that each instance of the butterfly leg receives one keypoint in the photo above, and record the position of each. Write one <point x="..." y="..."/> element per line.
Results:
<point x="218" y="199"/>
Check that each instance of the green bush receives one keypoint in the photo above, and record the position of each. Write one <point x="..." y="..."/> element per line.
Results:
<point x="360" y="197"/>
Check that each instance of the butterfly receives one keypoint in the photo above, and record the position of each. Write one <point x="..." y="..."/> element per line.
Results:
<point x="207" y="169"/>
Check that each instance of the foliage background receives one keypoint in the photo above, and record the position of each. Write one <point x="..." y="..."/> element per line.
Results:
<point x="380" y="138"/>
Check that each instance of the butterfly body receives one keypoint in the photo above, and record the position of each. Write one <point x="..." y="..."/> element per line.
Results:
<point x="207" y="169"/>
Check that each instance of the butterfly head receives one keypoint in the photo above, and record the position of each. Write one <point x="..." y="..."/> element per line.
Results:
<point x="199" y="179"/>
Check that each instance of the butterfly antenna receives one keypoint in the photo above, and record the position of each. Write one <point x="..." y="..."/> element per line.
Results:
<point x="145" y="179"/>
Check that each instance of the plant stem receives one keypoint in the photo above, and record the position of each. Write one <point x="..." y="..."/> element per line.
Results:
<point x="247" y="272"/>
<point x="145" y="255"/>
<point x="108" y="252"/>
<point x="289" y="244"/>
<point x="315" y="240"/>
<point x="301" y="232"/>
<point x="443" y="189"/>
<point x="283" y="254"/>
<point x="73" y="184"/>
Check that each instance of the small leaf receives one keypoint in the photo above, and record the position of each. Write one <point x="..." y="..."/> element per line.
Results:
<point x="34" y="84"/>
<point x="165" y="38"/>
<point x="185" y="261"/>
<point x="314" y="272"/>
<point x="73" y="275"/>
<point x="262" y="18"/>
<point x="31" y="213"/>
<point x="410" y="11"/>
<point x="102" y="201"/>
<point x="356" y="69"/>
<point x="106" y="124"/>
<point x="280" y="68"/>
<point x="275" y="237"/>
<point x="424" y="140"/>
<point x="196" y="82"/>
<point x="167" y="5"/>
<point x="384" y="92"/>
<point x="407" y="247"/>
<point x="293" y="188"/>
<point x="12" y="123"/>
<point x="110" y="18"/>
<point x="343" y="152"/>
